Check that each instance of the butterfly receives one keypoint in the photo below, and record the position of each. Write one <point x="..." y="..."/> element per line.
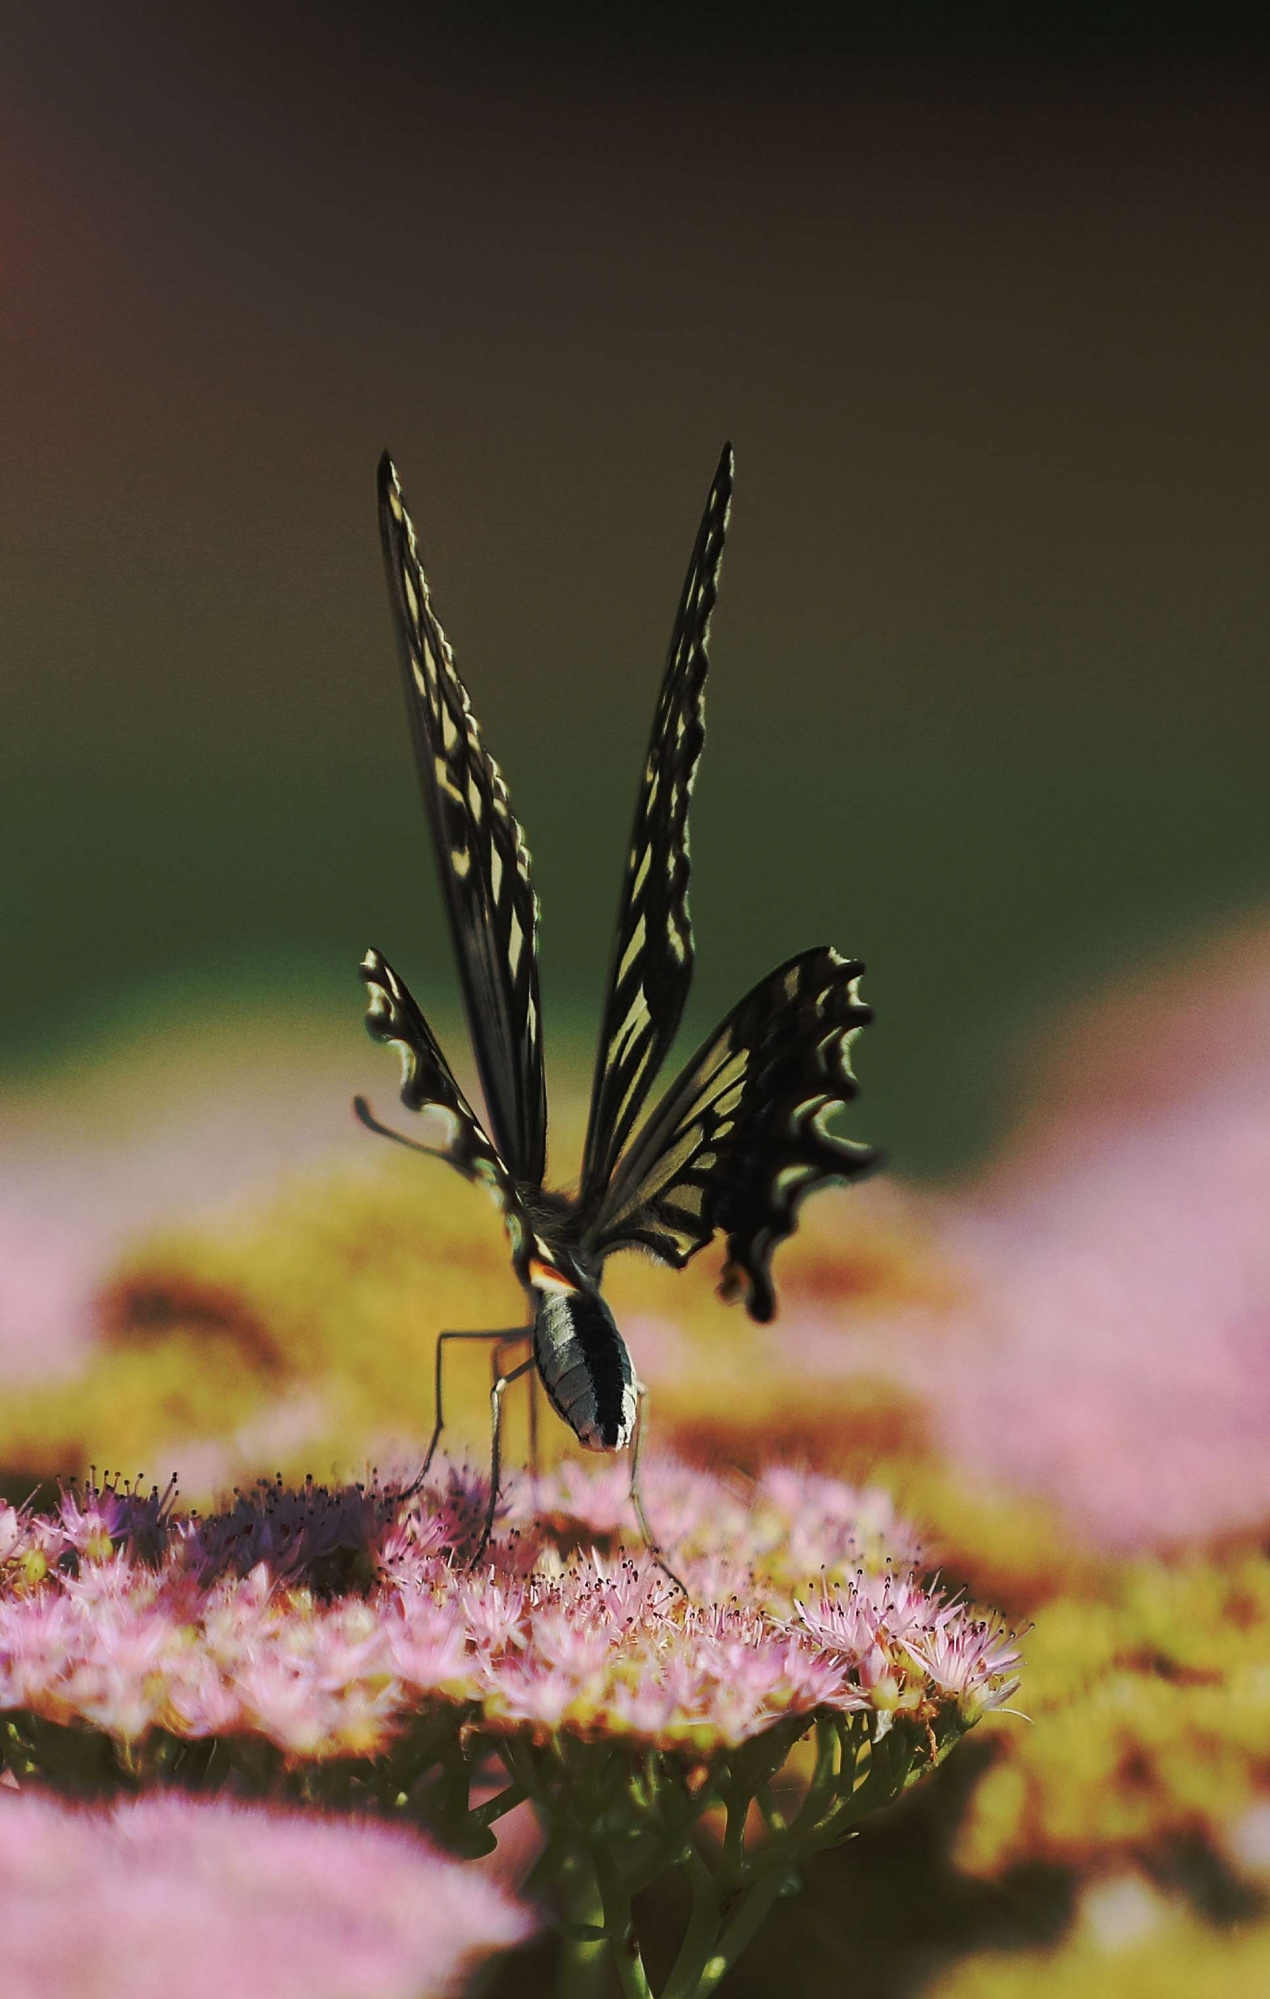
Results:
<point x="741" y="1136"/>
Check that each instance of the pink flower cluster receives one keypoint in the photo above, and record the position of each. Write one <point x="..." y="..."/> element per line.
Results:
<point x="768" y="1535"/>
<point x="120" y="1613"/>
<point x="172" y="1898"/>
<point x="879" y="1620"/>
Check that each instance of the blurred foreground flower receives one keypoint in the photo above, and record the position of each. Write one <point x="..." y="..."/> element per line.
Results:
<point x="172" y="1898"/>
<point x="333" y="1647"/>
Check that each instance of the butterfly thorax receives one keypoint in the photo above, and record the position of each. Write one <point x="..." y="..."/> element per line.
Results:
<point x="582" y="1359"/>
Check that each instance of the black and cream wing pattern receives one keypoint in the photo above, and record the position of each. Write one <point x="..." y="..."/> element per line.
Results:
<point x="651" y="968"/>
<point x="427" y="1082"/>
<point x="483" y="863"/>
<point x="741" y="1138"/>
<point x="744" y="1132"/>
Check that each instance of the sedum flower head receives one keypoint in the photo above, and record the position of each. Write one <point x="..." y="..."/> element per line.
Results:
<point x="330" y="1622"/>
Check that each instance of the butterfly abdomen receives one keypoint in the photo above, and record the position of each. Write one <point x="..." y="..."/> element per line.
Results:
<point x="585" y="1367"/>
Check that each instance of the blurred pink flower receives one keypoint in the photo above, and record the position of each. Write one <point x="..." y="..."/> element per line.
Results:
<point x="1110" y="1345"/>
<point x="1121" y="1358"/>
<point x="171" y="1898"/>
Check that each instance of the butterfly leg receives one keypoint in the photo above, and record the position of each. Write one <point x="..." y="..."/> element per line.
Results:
<point x="637" y="1496"/>
<point x="503" y="1335"/>
<point x="497" y="1392"/>
<point x="496" y="1361"/>
<point x="535" y="1463"/>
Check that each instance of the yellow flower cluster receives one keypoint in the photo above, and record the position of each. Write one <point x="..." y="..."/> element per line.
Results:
<point x="1178" y="1958"/>
<point x="304" y="1338"/>
<point x="292" y="1342"/>
<point x="1151" y="1720"/>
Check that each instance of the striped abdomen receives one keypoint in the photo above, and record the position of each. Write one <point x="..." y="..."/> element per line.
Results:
<point x="584" y="1365"/>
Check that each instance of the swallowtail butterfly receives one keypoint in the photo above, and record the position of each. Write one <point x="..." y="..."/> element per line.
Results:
<point x="740" y="1137"/>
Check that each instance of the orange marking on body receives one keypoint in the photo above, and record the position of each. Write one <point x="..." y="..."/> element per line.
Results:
<point x="546" y="1273"/>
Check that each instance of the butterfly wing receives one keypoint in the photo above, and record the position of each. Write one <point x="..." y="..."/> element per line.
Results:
<point x="652" y="951"/>
<point x="427" y="1082"/>
<point x="481" y="855"/>
<point x="740" y="1138"/>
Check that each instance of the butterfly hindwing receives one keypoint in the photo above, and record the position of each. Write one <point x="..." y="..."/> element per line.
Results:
<point x="481" y="855"/>
<point x="427" y="1082"/>
<point x="652" y="953"/>
<point x="740" y="1137"/>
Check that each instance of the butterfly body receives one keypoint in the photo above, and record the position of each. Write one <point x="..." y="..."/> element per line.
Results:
<point x="740" y="1137"/>
<point x="583" y="1363"/>
<point x="582" y="1360"/>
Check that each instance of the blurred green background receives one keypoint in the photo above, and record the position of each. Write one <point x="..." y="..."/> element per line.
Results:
<point x="988" y="322"/>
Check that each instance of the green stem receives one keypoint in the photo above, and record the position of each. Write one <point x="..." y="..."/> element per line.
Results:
<point x="739" y="1933"/>
<point x="886" y="1779"/>
<point x="712" y="1947"/>
<point x="622" y="1940"/>
<point x="584" y="1961"/>
<point x="822" y="1776"/>
<point x="702" y="1933"/>
<point x="661" y="1847"/>
<point x="493" y="1808"/>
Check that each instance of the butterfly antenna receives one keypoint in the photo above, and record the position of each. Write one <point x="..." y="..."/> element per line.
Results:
<point x="365" y="1115"/>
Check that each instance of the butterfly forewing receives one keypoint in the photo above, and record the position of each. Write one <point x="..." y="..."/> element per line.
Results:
<point x="652" y="952"/>
<point x="427" y="1082"/>
<point x="481" y="854"/>
<point x="740" y="1137"/>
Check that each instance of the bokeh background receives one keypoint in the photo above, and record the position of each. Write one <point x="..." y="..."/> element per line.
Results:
<point x="989" y="333"/>
<point x="985" y="306"/>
